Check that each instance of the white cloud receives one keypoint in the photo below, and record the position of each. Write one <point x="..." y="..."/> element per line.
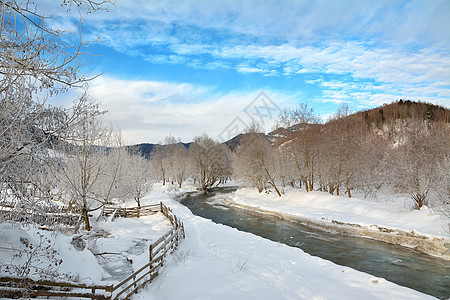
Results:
<point x="399" y="21"/>
<point x="148" y="111"/>
<point x="244" y="69"/>
<point x="397" y="48"/>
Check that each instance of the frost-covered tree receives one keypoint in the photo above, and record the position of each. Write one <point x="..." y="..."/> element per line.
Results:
<point x="31" y="154"/>
<point x="170" y="143"/>
<point x="421" y="146"/>
<point x="86" y="176"/>
<point x="113" y="185"/>
<point x="302" y="146"/>
<point x="175" y="159"/>
<point x="158" y="158"/>
<point x="181" y="163"/>
<point x="211" y="161"/>
<point x="256" y="163"/>
<point x="37" y="61"/>
<point x="170" y="162"/>
<point x="138" y="176"/>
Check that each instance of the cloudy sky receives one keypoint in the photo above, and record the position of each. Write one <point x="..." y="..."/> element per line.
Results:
<point x="191" y="67"/>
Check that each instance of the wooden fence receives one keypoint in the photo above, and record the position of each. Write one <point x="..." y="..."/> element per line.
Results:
<point x="17" y="288"/>
<point x="43" y="219"/>
<point x="157" y="253"/>
<point x="40" y="214"/>
<point x="28" y="288"/>
<point x="132" y="212"/>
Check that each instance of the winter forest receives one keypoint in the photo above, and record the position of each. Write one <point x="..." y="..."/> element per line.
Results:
<point x="363" y="152"/>
<point x="60" y="166"/>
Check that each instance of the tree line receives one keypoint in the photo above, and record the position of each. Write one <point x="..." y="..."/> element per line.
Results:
<point x="398" y="148"/>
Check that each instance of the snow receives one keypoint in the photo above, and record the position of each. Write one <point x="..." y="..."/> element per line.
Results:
<point x="81" y="264"/>
<point x="126" y="239"/>
<point x="219" y="262"/>
<point x="325" y="207"/>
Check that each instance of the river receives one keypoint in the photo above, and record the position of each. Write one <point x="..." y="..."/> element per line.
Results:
<point x="397" y="264"/>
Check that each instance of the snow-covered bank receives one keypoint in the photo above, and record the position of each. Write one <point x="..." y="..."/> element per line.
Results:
<point x="421" y="230"/>
<point x="105" y="255"/>
<point x="219" y="262"/>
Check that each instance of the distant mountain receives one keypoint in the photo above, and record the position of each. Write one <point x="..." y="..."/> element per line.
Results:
<point x="284" y="132"/>
<point x="233" y="143"/>
<point x="145" y="149"/>
<point x="377" y="116"/>
<point x="272" y="136"/>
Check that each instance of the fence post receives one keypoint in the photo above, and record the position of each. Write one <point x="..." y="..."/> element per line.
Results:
<point x="150" y="258"/>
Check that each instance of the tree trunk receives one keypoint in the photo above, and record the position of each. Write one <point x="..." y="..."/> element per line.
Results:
<point x="272" y="181"/>
<point x="85" y="215"/>
<point x="139" y="207"/>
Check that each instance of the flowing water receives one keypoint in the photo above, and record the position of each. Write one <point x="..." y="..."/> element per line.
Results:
<point x="397" y="264"/>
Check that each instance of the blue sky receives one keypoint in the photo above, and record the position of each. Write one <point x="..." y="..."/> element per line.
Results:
<point x="191" y="67"/>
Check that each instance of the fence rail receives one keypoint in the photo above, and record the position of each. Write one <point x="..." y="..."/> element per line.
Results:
<point x="42" y="218"/>
<point x="26" y="287"/>
<point x="132" y="212"/>
<point x="158" y="250"/>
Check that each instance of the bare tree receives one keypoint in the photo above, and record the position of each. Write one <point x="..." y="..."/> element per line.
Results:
<point x="302" y="115"/>
<point x="349" y="134"/>
<point x="88" y="165"/>
<point x="181" y="162"/>
<point x="302" y="147"/>
<point x="138" y="176"/>
<point x="256" y="162"/>
<point x="421" y="146"/>
<point x="159" y="163"/>
<point x="211" y="161"/>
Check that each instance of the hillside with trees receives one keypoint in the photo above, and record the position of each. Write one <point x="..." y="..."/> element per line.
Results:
<point x="400" y="148"/>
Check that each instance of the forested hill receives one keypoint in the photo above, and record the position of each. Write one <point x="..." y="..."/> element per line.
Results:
<point x="373" y="118"/>
<point x="403" y="146"/>
<point x="404" y="109"/>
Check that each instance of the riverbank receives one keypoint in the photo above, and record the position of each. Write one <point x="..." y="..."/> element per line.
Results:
<point x="219" y="262"/>
<point x="422" y="230"/>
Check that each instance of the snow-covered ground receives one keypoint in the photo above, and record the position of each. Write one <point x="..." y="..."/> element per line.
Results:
<point x="121" y="247"/>
<point x="219" y="262"/>
<point x="325" y="207"/>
